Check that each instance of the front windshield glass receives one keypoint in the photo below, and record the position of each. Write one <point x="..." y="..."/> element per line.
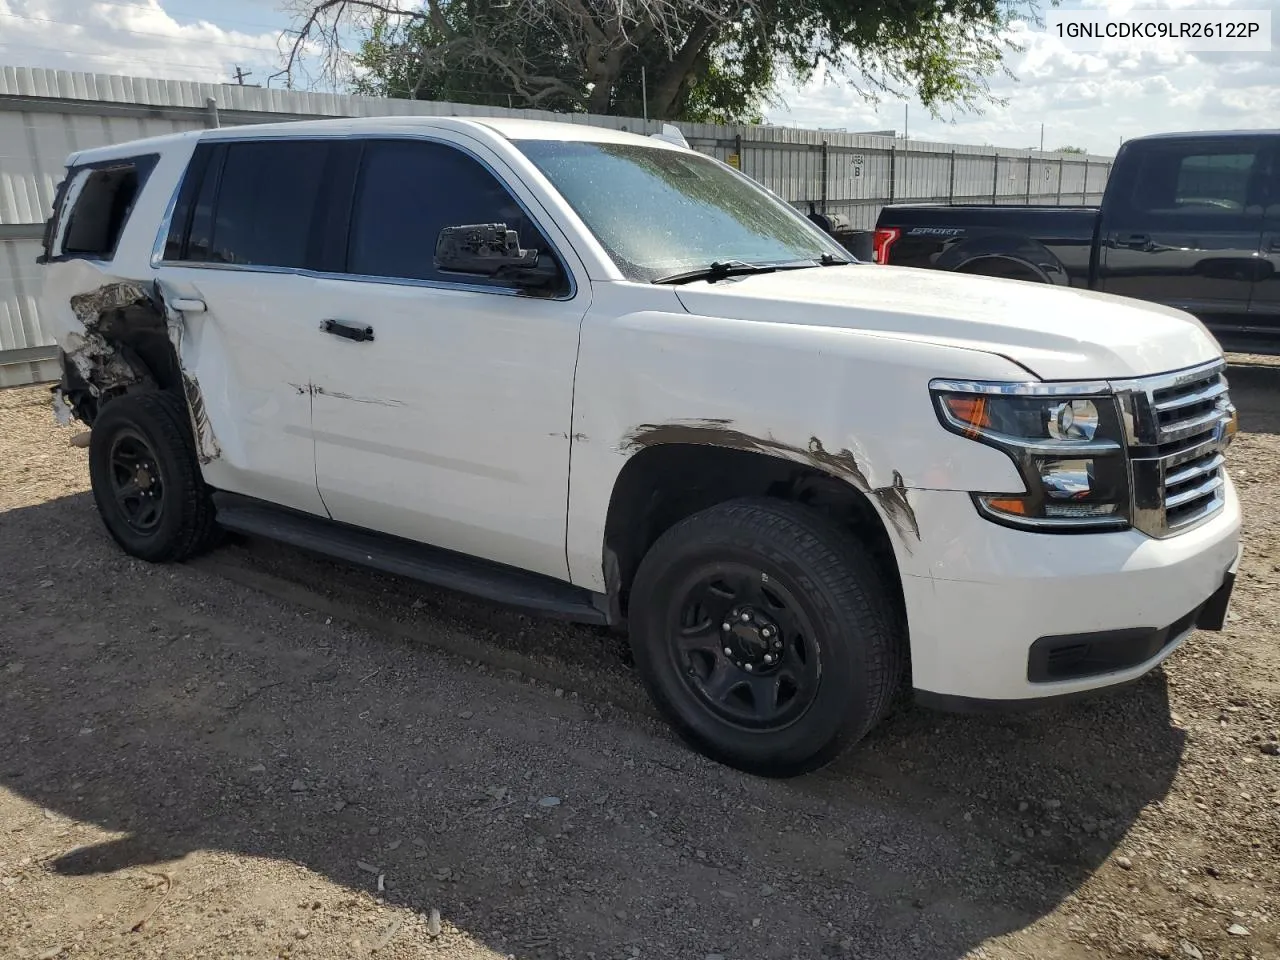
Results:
<point x="659" y="212"/>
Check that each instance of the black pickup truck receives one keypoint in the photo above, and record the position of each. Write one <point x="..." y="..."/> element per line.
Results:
<point x="1191" y="220"/>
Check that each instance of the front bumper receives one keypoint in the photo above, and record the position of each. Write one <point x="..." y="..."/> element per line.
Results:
<point x="1004" y="616"/>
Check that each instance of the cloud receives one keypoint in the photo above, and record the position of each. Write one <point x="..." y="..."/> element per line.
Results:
<point x="1087" y="99"/>
<point x="1092" y="99"/>
<point x="130" y="37"/>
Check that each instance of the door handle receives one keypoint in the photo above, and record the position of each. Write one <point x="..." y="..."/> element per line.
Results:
<point x="1135" y="240"/>
<point x="351" y="331"/>
<point x="188" y="305"/>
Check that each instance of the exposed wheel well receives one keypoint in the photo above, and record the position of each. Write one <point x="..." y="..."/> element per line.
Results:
<point x="139" y="338"/>
<point x="1001" y="267"/>
<point x="663" y="484"/>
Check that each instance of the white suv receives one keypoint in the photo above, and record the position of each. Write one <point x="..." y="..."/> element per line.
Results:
<point x="603" y="377"/>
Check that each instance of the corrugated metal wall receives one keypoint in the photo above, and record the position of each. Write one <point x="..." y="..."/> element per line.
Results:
<point x="46" y="115"/>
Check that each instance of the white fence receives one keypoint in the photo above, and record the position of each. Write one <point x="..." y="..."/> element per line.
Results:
<point x="46" y="115"/>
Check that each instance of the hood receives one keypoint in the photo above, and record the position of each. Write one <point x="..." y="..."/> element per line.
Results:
<point x="1055" y="332"/>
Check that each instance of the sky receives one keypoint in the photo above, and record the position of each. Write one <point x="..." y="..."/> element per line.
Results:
<point x="1090" y="100"/>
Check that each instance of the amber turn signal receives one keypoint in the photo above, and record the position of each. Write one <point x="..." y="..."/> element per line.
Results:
<point x="970" y="411"/>
<point x="1014" y="505"/>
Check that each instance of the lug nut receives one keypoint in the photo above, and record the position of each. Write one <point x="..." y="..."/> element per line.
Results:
<point x="777" y="644"/>
<point x="746" y="667"/>
<point x="726" y="627"/>
<point x="766" y="632"/>
<point x="728" y="651"/>
<point x="768" y="658"/>
<point x="745" y="617"/>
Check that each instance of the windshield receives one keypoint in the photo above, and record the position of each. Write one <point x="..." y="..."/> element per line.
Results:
<point x="659" y="212"/>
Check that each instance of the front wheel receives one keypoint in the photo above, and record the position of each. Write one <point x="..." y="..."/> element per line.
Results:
<point x="765" y="636"/>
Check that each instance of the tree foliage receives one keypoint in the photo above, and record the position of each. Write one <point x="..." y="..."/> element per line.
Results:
<point x="718" y="60"/>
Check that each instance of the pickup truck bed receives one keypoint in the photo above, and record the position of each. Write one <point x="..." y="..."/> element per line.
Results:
<point x="1189" y="220"/>
<point x="1046" y="244"/>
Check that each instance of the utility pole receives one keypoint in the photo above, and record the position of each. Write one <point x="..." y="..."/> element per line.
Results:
<point x="1042" y="138"/>
<point x="240" y="75"/>
<point x="644" y="92"/>
<point x="906" y="109"/>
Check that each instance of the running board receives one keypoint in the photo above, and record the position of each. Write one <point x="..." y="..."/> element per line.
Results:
<point x="408" y="558"/>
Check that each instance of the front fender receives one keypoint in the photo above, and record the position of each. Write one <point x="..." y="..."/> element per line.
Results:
<point x="854" y="405"/>
<point x="1022" y="250"/>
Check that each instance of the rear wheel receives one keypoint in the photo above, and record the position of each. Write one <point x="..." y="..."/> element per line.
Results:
<point x="146" y="478"/>
<point x="764" y="635"/>
<point x="1002" y="268"/>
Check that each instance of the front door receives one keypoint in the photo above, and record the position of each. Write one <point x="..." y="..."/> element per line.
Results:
<point x="1184" y="225"/>
<point x="1264" y="305"/>
<point x="451" y="425"/>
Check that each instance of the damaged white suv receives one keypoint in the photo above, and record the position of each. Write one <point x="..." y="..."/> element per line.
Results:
<point x="603" y="377"/>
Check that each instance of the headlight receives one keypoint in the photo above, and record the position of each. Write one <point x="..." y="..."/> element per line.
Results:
<point x="1066" y="440"/>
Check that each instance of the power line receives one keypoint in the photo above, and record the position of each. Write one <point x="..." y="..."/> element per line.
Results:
<point x="95" y="56"/>
<point x="146" y="33"/>
<point x="151" y="9"/>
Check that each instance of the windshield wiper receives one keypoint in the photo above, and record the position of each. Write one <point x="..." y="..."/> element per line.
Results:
<point x="718" y="270"/>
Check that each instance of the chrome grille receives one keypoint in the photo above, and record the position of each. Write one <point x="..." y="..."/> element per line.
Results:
<point x="1177" y="427"/>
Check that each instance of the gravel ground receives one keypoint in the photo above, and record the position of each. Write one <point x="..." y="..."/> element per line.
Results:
<point x="264" y="754"/>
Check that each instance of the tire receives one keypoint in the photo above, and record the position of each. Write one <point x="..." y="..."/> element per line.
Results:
<point x="813" y="600"/>
<point x="150" y="434"/>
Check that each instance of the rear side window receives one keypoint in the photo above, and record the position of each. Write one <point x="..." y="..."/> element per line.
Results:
<point x="1197" y="179"/>
<point x="101" y="197"/>
<point x="251" y="203"/>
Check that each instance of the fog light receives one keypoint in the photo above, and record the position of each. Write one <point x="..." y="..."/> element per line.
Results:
<point x="1080" y="510"/>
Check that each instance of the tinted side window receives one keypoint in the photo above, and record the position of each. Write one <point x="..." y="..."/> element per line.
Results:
<point x="408" y="191"/>
<point x="1196" y="179"/>
<point x="200" y="238"/>
<point x="260" y="210"/>
<point x="202" y="167"/>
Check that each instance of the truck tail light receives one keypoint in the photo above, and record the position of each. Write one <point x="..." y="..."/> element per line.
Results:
<point x="884" y="239"/>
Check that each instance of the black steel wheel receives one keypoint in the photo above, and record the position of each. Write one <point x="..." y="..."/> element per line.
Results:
<point x="146" y="478"/>
<point x="137" y="485"/>
<point x="764" y="634"/>
<point x="744" y="645"/>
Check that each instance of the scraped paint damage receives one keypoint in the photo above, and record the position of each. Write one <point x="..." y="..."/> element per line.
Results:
<point x="303" y="389"/>
<point x="721" y="433"/>
<point x="104" y="318"/>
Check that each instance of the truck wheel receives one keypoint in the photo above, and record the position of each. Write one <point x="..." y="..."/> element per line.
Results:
<point x="146" y="479"/>
<point x="764" y="635"/>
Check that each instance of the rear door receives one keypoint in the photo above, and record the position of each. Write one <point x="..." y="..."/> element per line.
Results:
<point x="1183" y="224"/>
<point x="1264" y="306"/>
<point x="249" y="217"/>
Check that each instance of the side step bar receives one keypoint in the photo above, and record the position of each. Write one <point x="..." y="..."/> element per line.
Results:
<point x="407" y="558"/>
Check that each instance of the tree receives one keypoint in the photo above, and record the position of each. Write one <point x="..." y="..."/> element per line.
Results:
<point x="1080" y="150"/>
<point x="703" y="59"/>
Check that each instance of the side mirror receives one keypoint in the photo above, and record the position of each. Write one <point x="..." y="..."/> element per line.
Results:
<point x="493" y="250"/>
<point x="486" y="249"/>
